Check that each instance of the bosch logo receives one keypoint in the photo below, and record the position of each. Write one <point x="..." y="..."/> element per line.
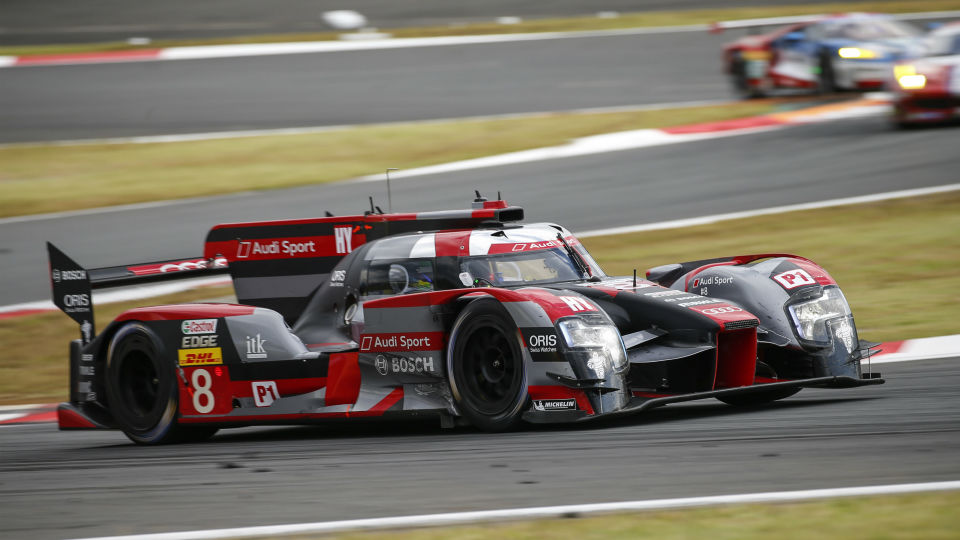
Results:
<point x="720" y="310"/>
<point x="56" y="275"/>
<point x="381" y="364"/>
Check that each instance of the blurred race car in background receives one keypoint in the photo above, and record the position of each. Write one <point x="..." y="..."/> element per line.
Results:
<point x="851" y="51"/>
<point x="466" y="315"/>
<point x="927" y="90"/>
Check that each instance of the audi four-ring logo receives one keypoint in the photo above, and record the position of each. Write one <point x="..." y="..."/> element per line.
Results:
<point x="192" y="265"/>
<point x="719" y="310"/>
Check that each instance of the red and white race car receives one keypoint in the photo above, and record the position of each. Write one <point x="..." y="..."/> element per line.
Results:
<point x="927" y="89"/>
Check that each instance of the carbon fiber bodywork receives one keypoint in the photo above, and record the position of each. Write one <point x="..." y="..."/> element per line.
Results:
<point x="470" y="317"/>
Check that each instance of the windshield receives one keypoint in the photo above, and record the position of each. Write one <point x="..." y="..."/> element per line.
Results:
<point x="866" y="29"/>
<point x="945" y="44"/>
<point x="523" y="268"/>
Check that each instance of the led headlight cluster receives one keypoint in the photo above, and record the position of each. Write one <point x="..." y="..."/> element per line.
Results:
<point x="596" y="339"/>
<point x="811" y="317"/>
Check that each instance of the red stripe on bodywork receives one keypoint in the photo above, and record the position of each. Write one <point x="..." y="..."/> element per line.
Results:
<point x="343" y="379"/>
<point x="561" y="392"/>
<point x="184" y="311"/>
<point x="736" y="358"/>
<point x="70" y="419"/>
<point x="377" y="410"/>
<point x="452" y="243"/>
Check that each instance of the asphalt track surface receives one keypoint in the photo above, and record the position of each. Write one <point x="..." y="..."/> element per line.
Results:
<point x="357" y="87"/>
<point x="68" y="21"/>
<point x="79" y="484"/>
<point x="789" y="166"/>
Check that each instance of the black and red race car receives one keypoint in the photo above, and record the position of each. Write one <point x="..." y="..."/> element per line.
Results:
<point x="465" y="315"/>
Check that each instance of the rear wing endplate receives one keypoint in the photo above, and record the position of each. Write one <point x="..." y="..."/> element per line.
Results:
<point x="72" y="285"/>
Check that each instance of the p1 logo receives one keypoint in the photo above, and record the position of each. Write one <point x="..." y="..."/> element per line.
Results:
<point x="265" y="393"/>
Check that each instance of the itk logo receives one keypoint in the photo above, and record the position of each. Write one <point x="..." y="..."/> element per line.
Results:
<point x="576" y="304"/>
<point x="794" y="278"/>
<point x="255" y="347"/>
<point x="344" y="239"/>
<point x="265" y="393"/>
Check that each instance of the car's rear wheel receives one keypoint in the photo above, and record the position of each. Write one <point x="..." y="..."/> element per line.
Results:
<point x="142" y="389"/>
<point x="486" y="367"/>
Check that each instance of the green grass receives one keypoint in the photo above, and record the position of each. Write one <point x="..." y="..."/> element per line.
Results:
<point x="50" y="178"/>
<point x="625" y="20"/>
<point x="927" y="516"/>
<point x="896" y="262"/>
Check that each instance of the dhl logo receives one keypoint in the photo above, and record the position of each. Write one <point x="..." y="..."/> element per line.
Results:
<point x="200" y="357"/>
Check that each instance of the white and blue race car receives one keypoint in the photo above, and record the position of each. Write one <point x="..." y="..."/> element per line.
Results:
<point x="853" y="51"/>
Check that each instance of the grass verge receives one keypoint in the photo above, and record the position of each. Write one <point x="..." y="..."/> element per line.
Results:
<point x="896" y="261"/>
<point x="571" y="24"/>
<point x="927" y="516"/>
<point x="46" y="178"/>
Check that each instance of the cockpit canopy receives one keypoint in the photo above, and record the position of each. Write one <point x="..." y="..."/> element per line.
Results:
<point x="528" y="255"/>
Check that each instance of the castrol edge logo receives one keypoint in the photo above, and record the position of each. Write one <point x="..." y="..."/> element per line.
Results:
<point x="199" y="326"/>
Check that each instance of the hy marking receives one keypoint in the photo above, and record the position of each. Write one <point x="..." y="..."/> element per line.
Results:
<point x="543" y="512"/>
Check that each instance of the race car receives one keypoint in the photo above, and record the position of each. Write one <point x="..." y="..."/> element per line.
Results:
<point x="853" y="51"/>
<point x="469" y="316"/>
<point x="927" y="90"/>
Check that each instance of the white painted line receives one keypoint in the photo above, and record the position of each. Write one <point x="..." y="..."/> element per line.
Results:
<point x="707" y="220"/>
<point x="5" y="417"/>
<point x="543" y="512"/>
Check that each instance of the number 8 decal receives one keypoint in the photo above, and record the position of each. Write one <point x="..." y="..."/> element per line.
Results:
<point x="202" y="391"/>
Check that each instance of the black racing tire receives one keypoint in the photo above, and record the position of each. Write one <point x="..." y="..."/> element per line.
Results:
<point x="758" y="398"/>
<point x="827" y="78"/>
<point x="142" y="390"/>
<point x="738" y="78"/>
<point x="486" y="368"/>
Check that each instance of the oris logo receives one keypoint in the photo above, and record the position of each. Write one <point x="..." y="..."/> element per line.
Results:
<point x="720" y="310"/>
<point x="76" y="300"/>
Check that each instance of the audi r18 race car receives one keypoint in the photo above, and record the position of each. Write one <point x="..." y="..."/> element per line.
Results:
<point x="469" y="316"/>
<point x="927" y="90"/>
<point x="853" y="51"/>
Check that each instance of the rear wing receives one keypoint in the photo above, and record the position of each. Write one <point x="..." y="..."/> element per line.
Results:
<point x="72" y="285"/>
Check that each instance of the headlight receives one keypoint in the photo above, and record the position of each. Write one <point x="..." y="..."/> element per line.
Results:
<point x="811" y="317"/>
<point x="908" y="78"/>
<point x="599" y="340"/>
<point x="856" y="52"/>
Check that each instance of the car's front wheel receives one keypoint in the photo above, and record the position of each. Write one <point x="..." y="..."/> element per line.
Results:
<point x="485" y="366"/>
